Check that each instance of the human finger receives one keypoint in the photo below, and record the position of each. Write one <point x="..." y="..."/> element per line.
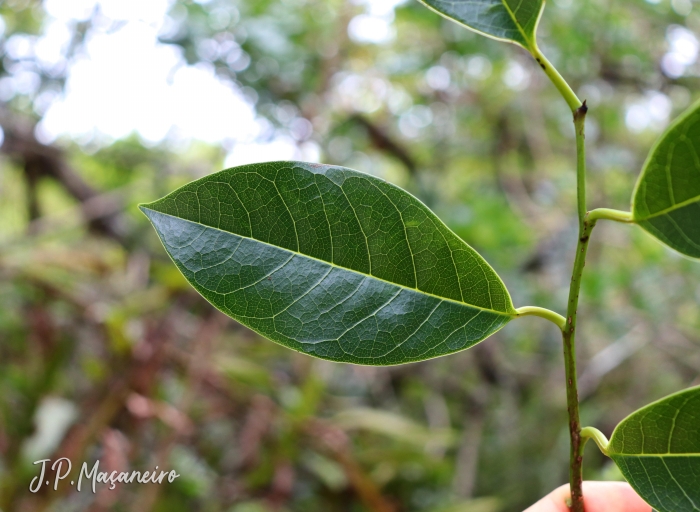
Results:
<point x="598" y="497"/>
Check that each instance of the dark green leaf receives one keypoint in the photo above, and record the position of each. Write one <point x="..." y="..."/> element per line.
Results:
<point x="331" y="262"/>
<point x="514" y="21"/>
<point x="666" y="200"/>
<point x="657" y="449"/>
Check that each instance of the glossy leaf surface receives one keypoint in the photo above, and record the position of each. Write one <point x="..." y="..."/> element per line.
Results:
<point x="658" y="451"/>
<point x="514" y="21"/>
<point x="331" y="262"/>
<point x="666" y="200"/>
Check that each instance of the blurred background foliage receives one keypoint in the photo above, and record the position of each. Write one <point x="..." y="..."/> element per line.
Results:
<point x="106" y="353"/>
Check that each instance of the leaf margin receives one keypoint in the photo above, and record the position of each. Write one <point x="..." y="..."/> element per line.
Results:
<point x="508" y="315"/>
<point x="694" y="108"/>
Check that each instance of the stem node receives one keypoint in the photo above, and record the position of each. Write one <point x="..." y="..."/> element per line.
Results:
<point x="581" y="112"/>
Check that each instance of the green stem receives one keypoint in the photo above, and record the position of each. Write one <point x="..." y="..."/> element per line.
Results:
<point x="584" y="232"/>
<point x="569" y="338"/>
<point x="558" y="81"/>
<point x="608" y="214"/>
<point x="580" y="128"/>
<point x="553" y="317"/>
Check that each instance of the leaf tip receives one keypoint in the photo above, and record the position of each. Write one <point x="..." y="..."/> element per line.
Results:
<point x="146" y="210"/>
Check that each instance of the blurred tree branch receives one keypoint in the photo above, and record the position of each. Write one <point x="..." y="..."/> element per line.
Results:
<point x="43" y="161"/>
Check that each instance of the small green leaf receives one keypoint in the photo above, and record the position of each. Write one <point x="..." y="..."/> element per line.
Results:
<point x="666" y="200"/>
<point x="657" y="449"/>
<point x="514" y="21"/>
<point x="330" y="262"/>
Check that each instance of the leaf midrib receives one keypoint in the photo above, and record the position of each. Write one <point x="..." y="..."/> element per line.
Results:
<point x="671" y="208"/>
<point x="650" y="455"/>
<point x="517" y="24"/>
<point x="461" y="303"/>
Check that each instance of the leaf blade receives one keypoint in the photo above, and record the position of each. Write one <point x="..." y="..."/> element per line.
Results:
<point x="666" y="198"/>
<point x="395" y="298"/>
<point x="657" y="448"/>
<point x="504" y="20"/>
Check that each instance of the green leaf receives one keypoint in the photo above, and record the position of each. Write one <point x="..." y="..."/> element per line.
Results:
<point x="330" y="262"/>
<point x="514" y="21"/>
<point x="657" y="449"/>
<point x="666" y="200"/>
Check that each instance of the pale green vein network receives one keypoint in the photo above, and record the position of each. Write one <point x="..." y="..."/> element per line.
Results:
<point x="666" y="199"/>
<point x="657" y="448"/>
<point x="494" y="18"/>
<point x="331" y="262"/>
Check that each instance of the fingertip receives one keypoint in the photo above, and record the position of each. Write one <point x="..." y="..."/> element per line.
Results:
<point x="598" y="497"/>
<point x="617" y="496"/>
